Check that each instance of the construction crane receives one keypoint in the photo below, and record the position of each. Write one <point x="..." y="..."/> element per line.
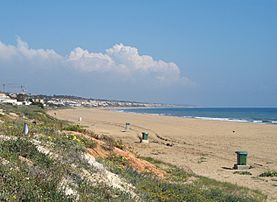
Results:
<point x="13" y="86"/>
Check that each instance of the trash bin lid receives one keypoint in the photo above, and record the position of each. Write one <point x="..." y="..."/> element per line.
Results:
<point x="242" y="152"/>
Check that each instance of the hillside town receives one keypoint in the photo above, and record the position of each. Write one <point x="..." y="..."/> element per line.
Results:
<point x="23" y="98"/>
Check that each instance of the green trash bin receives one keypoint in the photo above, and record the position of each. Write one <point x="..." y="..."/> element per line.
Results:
<point x="241" y="157"/>
<point x="144" y="136"/>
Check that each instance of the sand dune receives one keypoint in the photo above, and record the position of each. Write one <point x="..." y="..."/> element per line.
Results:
<point x="205" y="147"/>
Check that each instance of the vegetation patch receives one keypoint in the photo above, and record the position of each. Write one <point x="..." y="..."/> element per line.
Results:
<point x="175" y="174"/>
<point x="269" y="174"/>
<point x="111" y="143"/>
<point x="242" y="172"/>
<point x="76" y="128"/>
<point x="22" y="147"/>
<point x="174" y="187"/>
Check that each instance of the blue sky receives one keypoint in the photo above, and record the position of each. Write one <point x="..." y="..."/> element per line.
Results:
<point x="207" y="53"/>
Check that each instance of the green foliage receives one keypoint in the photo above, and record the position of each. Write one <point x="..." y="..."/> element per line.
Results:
<point x="269" y="174"/>
<point x="36" y="114"/>
<point x="22" y="147"/>
<point x="101" y="192"/>
<point x="76" y="128"/>
<point x="110" y="143"/>
<point x="22" y="182"/>
<point x="176" y="174"/>
<point x="118" y="160"/>
<point x="174" y="186"/>
<point x="67" y="142"/>
<point x="242" y="173"/>
<point x="151" y="188"/>
<point x="12" y="128"/>
<point x="21" y="186"/>
<point x="235" y="192"/>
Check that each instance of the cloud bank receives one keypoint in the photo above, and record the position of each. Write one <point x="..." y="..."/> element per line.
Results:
<point x="119" y="60"/>
<point x="118" y="69"/>
<point x="123" y="60"/>
<point x="21" y="51"/>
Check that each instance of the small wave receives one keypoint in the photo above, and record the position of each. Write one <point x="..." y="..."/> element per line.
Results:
<point x="239" y="120"/>
<point x="258" y="121"/>
<point x="188" y="117"/>
<point x="118" y="110"/>
<point x="234" y="119"/>
<point x="221" y="119"/>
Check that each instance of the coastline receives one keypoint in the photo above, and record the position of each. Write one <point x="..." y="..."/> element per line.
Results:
<point x="228" y="119"/>
<point x="205" y="147"/>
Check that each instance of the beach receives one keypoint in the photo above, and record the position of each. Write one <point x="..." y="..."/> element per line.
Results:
<point x="205" y="147"/>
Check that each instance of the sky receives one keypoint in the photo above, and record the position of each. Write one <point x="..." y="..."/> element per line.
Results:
<point x="204" y="53"/>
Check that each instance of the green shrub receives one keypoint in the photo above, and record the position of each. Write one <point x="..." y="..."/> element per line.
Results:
<point x="174" y="187"/>
<point x="76" y="128"/>
<point x="269" y="174"/>
<point x="242" y="173"/>
<point x="101" y="192"/>
<point x="20" y="186"/>
<point x="22" y="147"/>
<point x="110" y="143"/>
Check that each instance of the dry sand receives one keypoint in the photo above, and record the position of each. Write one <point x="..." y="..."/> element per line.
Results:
<point x="205" y="147"/>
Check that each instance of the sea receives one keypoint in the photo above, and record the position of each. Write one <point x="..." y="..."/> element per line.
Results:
<point x="255" y="115"/>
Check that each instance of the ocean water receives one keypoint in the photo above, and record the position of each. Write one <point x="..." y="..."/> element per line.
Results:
<point x="256" y="115"/>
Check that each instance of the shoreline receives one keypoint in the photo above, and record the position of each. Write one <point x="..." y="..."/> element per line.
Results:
<point x="203" y="146"/>
<point x="225" y="119"/>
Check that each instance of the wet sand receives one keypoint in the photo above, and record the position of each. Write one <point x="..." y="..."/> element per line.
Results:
<point x="204" y="147"/>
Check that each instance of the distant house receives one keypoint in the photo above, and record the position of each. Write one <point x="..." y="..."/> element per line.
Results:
<point x="14" y="99"/>
<point x="7" y="100"/>
<point x="3" y="97"/>
<point x="2" y="94"/>
<point x="38" y="101"/>
<point x="22" y="97"/>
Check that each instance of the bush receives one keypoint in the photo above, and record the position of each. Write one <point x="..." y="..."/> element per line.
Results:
<point x="22" y="147"/>
<point x="76" y="128"/>
<point x="243" y="172"/>
<point x="269" y="174"/>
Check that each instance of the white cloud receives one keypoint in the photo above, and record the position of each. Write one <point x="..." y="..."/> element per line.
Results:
<point x="90" y="62"/>
<point x="119" y="60"/>
<point x="125" y="60"/>
<point x="23" y="52"/>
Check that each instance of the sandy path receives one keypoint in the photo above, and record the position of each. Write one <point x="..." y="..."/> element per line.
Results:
<point x="205" y="147"/>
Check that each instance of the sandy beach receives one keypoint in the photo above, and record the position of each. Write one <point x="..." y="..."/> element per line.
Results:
<point x="204" y="147"/>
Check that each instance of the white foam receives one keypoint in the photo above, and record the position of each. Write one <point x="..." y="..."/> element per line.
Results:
<point x="207" y="118"/>
<point x="119" y="110"/>
<point x="221" y="119"/>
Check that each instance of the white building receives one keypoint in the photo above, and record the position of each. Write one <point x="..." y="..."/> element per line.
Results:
<point x="7" y="100"/>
